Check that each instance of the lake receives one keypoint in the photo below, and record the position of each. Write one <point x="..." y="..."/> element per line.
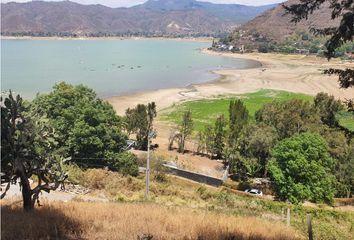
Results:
<point x="110" y="67"/>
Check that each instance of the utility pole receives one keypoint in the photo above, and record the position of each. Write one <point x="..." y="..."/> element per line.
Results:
<point x="147" y="171"/>
<point x="152" y="134"/>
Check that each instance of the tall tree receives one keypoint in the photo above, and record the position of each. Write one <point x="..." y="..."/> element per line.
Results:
<point x="28" y="149"/>
<point x="238" y="118"/>
<point x="139" y="120"/>
<point x="219" y="137"/>
<point x="343" y="10"/>
<point x="344" y="170"/>
<point x="185" y="129"/>
<point x="208" y="138"/>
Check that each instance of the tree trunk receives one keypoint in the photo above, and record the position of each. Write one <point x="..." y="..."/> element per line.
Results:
<point x="28" y="204"/>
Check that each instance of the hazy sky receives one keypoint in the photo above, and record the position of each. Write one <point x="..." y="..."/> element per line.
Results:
<point x="127" y="3"/>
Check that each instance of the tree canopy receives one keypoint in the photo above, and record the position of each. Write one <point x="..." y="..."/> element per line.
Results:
<point x="87" y="128"/>
<point x="289" y="118"/>
<point x="302" y="169"/>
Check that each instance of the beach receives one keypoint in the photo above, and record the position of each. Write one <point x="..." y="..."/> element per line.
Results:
<point x="293" y="73"/>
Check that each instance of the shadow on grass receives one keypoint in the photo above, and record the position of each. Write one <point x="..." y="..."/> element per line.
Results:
<point x="43" y="223"/>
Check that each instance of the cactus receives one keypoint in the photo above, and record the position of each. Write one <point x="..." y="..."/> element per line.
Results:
<point x="27" y="147"/>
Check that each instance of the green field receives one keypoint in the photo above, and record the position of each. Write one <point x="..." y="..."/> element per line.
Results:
<point x="346" y="120"/>
<point x="206" y="111"/>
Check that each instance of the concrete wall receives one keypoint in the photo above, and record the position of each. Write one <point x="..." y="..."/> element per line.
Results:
<point x="197" y="177"/>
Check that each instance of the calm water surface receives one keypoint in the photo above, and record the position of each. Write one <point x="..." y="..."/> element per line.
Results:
<point x="110" y="67"/>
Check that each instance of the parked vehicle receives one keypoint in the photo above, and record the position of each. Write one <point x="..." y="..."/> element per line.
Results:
<point x="254" y="191"/>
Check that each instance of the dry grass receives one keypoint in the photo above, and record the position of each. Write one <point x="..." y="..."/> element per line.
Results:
<point x="78" y="220"/>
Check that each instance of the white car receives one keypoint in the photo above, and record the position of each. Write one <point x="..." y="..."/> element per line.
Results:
<point x="254" y="191"/>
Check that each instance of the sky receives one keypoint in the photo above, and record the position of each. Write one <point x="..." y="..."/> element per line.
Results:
<point x="128" y="3"/>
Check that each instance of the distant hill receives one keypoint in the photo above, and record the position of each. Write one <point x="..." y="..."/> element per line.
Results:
<point x="276" y="26"/>
<point x="166" y="17"/>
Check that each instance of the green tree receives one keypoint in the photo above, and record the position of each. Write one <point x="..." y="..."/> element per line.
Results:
<point x="28" y="149"/>
<point x="185" y="129"/>
<point x="139" y="120"/>
<point x="242" y="168"/>
<point x="257" y="142"/>
<point x="208" y="138"/>
<point x="290" y="117"/>
<point x="88" y="129"/>
<point x="344" y="172"/>
<point x="219" y="137"/>
<point x="238" y="118"/>
<point x="302" y="169"/>
<point x="328" y="108"/>
<point x="200" y="138"/>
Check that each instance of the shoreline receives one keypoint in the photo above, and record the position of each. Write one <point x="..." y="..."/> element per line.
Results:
<point x="292" y="73"/>
<point x="191" y="39"/>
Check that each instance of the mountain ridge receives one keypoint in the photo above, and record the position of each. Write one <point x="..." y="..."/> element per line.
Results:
<point x="165" y="17"/>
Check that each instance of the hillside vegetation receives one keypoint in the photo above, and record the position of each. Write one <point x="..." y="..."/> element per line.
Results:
<point x="177" y="209"/>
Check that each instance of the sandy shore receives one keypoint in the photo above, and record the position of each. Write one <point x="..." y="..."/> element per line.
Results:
<point x="293" y="73"/>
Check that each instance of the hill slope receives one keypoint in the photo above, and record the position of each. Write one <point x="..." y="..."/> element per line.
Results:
<point x="171" y="17"/>
<point x="277" y="26"/>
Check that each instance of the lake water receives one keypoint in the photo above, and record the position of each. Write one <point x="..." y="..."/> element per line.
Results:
<point x="110" y="67"/>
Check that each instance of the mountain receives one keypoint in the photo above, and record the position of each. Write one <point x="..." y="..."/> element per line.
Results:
<point x="233" y="12"/>
<point x="276" y="26"/>
<point x="166" y="17"/>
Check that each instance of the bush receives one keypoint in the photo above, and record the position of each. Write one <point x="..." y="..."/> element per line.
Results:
<point x="125" y="162"/>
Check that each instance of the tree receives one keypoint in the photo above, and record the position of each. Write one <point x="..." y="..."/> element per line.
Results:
<point x="87" y="128"/>
<point x="290" y="117"/>
<point x="219" y="137"/>
<point x="243" y="168"/>
<point x="257" y="142"/>
<point x="185" y="129"/>
<point x="302" y="169"/>
<point x="28" y="149"/>
<point x="328" y="108"/>
<point x="208" y="138"/>
<point x="200" y="142"/>
<point x="238" y="118"/>
<point x="342" y="9"/>
<point x="139" y="120"/>
<point x="344" y="172"/>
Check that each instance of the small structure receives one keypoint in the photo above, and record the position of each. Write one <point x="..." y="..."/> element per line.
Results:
<point x="302" y="51"/>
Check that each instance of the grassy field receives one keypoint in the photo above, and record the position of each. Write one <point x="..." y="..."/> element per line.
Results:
<point x="177" y="208"/>
<point x="192" y="198"/>
<point x="346" y="120"/>
<point x="206" y="111"/>
<point x="125" y="221"/>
